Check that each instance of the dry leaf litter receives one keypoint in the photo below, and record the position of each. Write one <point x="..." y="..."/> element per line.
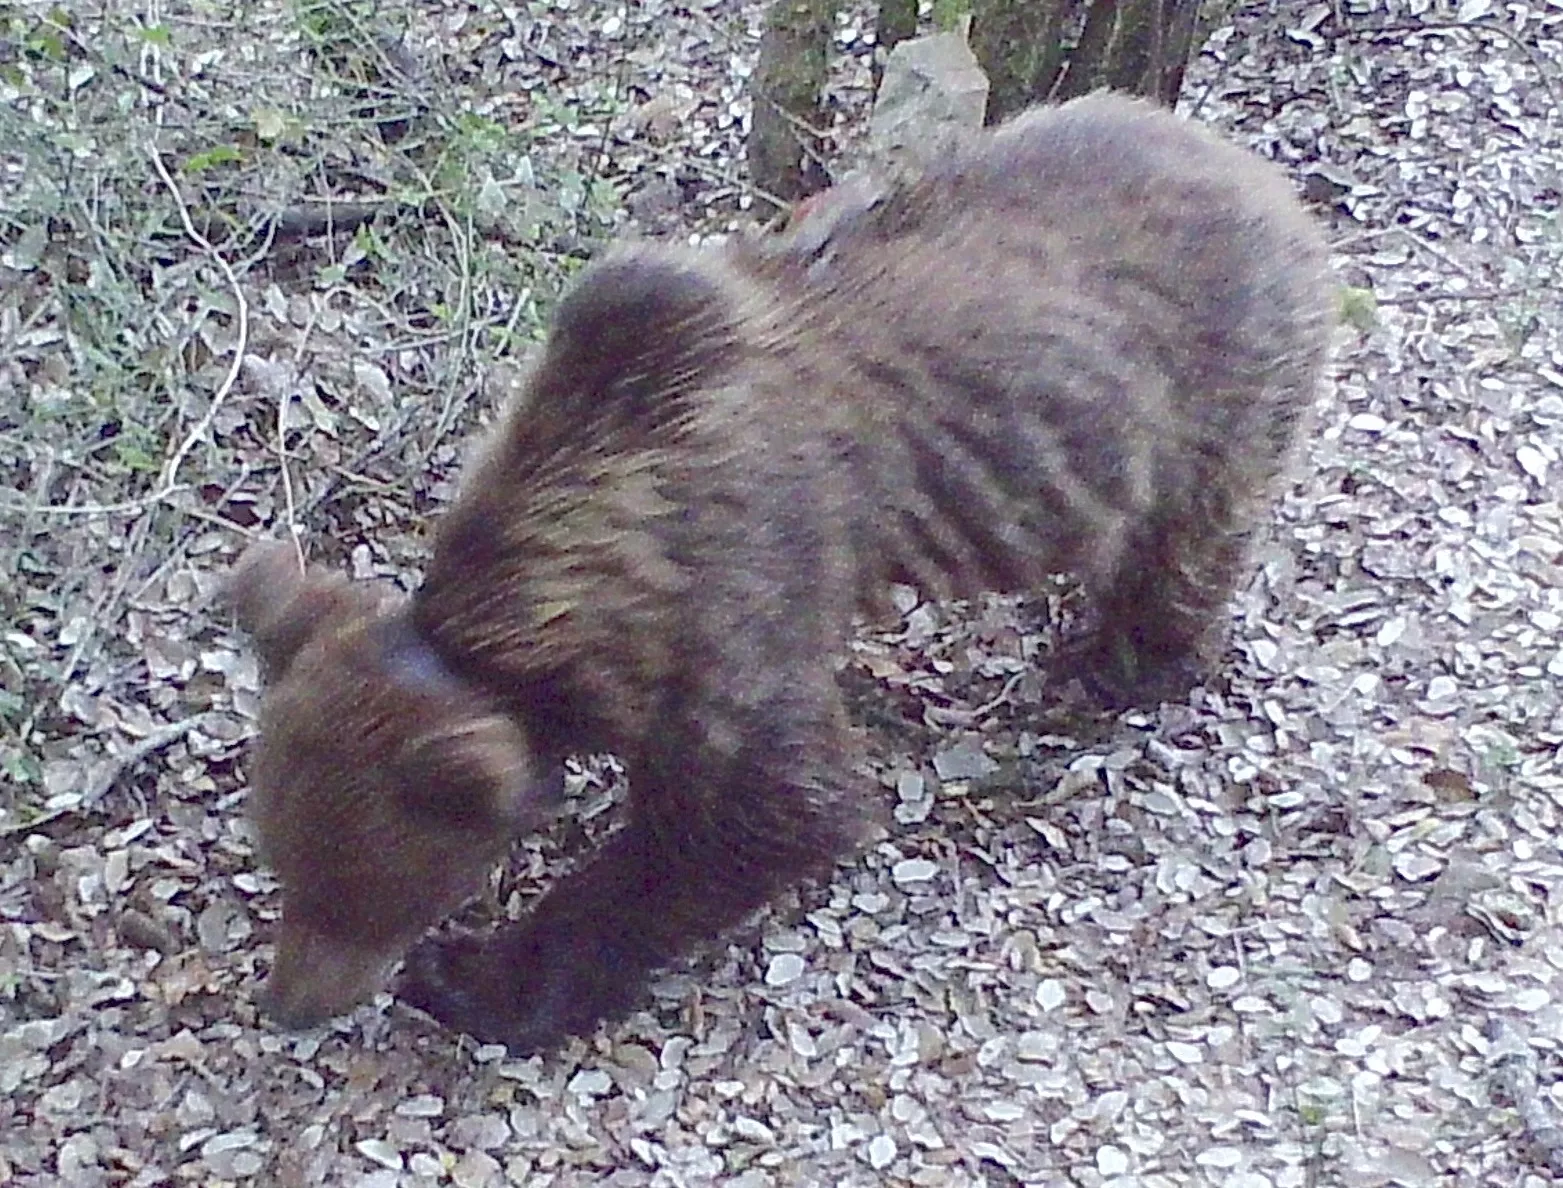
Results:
<point x="1304" y="929"/>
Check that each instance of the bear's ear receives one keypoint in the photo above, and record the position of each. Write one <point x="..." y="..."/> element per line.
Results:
<point x="479" y="775"/>
<point x="278" y="604"/>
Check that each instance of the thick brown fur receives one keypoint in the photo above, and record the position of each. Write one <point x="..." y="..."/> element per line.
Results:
<point x="1087" y="344"/>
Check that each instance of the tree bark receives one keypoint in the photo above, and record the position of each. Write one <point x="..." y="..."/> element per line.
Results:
<point x="1031" y="52"/>
<point x="1019" y="44"/>
<point x="1138" y="46"/>
<point x="785" y="157"/>
<point x="897" y="22"/>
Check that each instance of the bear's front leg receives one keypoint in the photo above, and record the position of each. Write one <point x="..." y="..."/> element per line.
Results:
<point x="533" y="984"/>
<point x="668" y="881"/>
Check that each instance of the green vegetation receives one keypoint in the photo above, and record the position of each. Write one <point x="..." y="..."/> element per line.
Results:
<point x="252" y="266"/>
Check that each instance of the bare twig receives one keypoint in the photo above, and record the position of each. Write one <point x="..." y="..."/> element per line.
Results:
<point x="1415" y="298"/>
<point x="168" y="480"/>
<point x="105" y="779"/>
<point x="1434" y="250"/>
<point x="959" y="717"/>
<point x="163" y="736"/>
<point x="241" y="315"/>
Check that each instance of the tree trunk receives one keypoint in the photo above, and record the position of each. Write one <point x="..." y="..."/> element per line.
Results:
<point x="785" y="157"/>
<point x="897" y="22"/>
<point x="1031" y="51"/>
<point x="1137" y="46"/>
<point x="1019" y="44"/>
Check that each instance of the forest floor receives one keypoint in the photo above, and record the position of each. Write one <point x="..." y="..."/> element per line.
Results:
<point x="265" y="266"/>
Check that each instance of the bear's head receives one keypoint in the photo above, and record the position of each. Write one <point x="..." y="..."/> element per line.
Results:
<point x="382" y="789"/>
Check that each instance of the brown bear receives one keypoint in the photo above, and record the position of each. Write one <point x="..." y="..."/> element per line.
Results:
<point x="1084" y="343"/>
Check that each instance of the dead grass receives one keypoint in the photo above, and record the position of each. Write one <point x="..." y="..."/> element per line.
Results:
<point x="257" y="269"/>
